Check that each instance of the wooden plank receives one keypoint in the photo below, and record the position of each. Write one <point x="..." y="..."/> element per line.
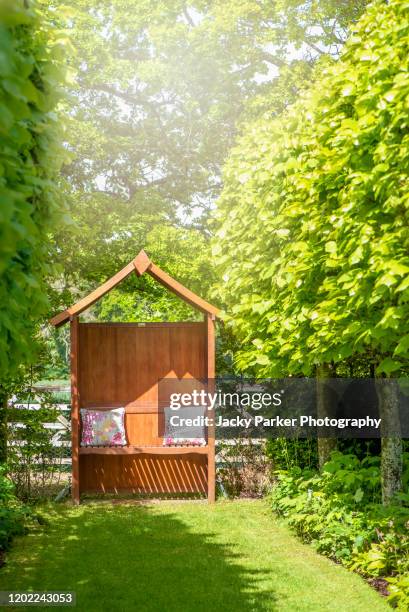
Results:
<point x="211" y="372"/>
<point x="121" y="366"/>
<point x="181" y="291"/>
<point x="142" y="429"/>
<point x="148" y="324"/>
<point x="143" y="450"/>
<point x="134" y="407"/>
<point x="75" y="484"/>
<point x="90" y="299"/>
<point x="141" y="263"/>
<point x="144" y="473"/>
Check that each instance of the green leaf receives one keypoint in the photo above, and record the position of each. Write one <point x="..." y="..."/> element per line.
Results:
<point x="388" y="366"/>
<point x="262" y="360"/>
<point x="359" y="494"/>
<point x="397" y="268"/>
<point x="403" y="346"/>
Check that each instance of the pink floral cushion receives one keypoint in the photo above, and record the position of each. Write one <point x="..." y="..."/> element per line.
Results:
<point x="103" y="427"/>
<point x="170" y="441"/>
<point x="181" y="435"/>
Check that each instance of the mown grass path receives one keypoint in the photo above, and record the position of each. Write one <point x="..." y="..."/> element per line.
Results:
<point x="181" y="557"/>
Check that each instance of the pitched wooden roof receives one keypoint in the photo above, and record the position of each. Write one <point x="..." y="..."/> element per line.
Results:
<point x="139" y="265"/>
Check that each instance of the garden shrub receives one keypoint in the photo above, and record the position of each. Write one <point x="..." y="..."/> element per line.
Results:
<point x="244" y="469"/>
<point x="288" y="453"/>
<point x="12" y="514"/>
<point x="399" y="592"/>
<point x="34" y="461"/>
<point x="339" y="512"/>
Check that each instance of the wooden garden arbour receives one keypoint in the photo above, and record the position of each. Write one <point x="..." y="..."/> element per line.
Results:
<point x="120" y="364"/>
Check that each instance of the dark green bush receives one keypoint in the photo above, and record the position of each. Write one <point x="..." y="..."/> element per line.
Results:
<point x="286" y="454"/>
<point x="12" y="514"/>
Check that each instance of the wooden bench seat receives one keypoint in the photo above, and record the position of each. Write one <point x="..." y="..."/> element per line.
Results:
<point x="136" y="450"/>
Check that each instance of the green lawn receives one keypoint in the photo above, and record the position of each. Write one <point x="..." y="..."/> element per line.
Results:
<point x="181" y="557"/>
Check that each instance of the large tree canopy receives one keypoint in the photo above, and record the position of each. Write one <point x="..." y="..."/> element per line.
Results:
<point x="159" y="94"/>
<point x="313" y="221"/>
<point x="161" y="88"/>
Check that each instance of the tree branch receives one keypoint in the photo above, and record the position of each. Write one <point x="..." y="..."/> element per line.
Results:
<point x="273" y="59"/>
<point x="314" y="47"/>
<point x="130" y="98"/>
<point x="188" y="17"/>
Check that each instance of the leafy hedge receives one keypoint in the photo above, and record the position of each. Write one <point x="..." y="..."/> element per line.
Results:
<point x="339" y="512"/>
<point x="312" y="237"/>
<point x="32" y="52"/>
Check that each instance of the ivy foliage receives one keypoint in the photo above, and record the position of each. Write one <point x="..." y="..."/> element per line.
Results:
<point x="32" y="51"/>
<point x="313" y="230"/>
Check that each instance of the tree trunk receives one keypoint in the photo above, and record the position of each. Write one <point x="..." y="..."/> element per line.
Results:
<point x="325" y="445"/>
<point x="391" y="453"/>
<point x="3" y="428"/>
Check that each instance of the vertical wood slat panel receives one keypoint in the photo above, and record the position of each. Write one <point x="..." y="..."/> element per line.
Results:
<point x="121" y="364"/>
<point x="142" y="429"/>
<point x="144" y="474"/>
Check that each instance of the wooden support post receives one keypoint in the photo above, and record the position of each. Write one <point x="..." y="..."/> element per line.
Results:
<point x="75" y="480"/>
<point x="211" y="372"/>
